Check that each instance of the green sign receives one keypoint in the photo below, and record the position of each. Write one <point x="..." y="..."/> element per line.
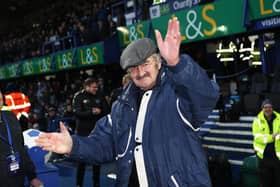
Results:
<point x="36" y="66"/>
<point x="159" y="10"/>
<point x="13" y="70"/>
<point x="64" y="60"/>
<point x="2" y="73"/>
<point x="44" y="64"/>
<point x="68" y="59"/>
<point x="221" y="18"/>
<point x="28" y="67"/>
<point x="90" y="55"/>
<point x="260" y="9"/>
<point x="133" y="32"/>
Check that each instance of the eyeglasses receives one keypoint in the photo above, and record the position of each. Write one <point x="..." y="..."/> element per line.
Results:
<point x="143" y="66"/>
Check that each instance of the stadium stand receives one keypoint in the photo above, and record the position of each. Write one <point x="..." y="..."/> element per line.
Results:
<point x="234" y="139"/>
<point x="252" y="103"/>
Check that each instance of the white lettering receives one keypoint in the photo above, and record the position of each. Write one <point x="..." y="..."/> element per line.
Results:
<point x="271" y="22"/>
<point x="184" y="4"/>
<point x="64" y="61"/>
<point x="275" y="8"/>
<point x="191" y="17"/>
<point x="44" y="65"/>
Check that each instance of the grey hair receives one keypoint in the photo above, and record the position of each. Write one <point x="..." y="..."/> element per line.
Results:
<point x="157" y="57"/>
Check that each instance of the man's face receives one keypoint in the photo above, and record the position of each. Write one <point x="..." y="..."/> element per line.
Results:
<point x="52" y="113"/>
<point x="92" y="88"/>
<point x="267" y="110"/>
<point x="145" y="75"/>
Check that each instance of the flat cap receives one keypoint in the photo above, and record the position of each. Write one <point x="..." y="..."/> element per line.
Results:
<point x="136" y="52"/>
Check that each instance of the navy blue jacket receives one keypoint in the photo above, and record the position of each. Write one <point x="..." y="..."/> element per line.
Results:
<point x="163" y="141"/>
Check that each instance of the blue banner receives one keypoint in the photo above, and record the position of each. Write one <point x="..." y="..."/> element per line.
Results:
<point x="267" y="23"/>
<point x="182" y="4"/>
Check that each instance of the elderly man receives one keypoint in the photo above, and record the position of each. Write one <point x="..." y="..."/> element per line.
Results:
<point x="266" y="129"/>
<point x="152" y="128"/>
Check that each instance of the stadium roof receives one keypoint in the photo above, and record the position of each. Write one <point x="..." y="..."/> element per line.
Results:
<point x="12" y="12"/>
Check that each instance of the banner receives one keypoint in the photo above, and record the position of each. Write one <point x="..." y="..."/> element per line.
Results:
<point x="28" y="67"/>
<point x="133" y="32"/>
<point x="45" y="64"/>
<point x="177" y="5"/>
<point x="267" y="23"/>
<point x="159" y="10"/>
<point x="171" y="6"/>
<point x="221" y="18"/>
<point x="90" y="55"/>
<point x="260" y="9"/>
<point x="36" y="66"/>
<point x="68" y="59"/>
<point x="13" y="70"/>
<point x="64" y="60"/>
<point x="3" y="73"/>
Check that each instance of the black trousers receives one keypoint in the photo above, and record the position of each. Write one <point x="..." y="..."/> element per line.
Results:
<point x="81" y="172"/>
<point x="269" y="172"/>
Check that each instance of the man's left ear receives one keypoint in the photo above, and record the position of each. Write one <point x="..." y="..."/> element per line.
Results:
<point x="158" y="65"/>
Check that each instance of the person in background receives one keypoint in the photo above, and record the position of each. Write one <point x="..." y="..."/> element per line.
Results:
<point x="37" y="120"/>
<point x="53" y="126"/>
<point x="52" y="119"/>
<point x="103" y="89"/>
<point x="69" y="117"/>
<point x="266" y="132"/>
<point x="117" y="92"/>
<point x="88" y="107"/>
<point x="152" y="130"/>
<point x="15" y="163"/>
<point x="18" y="103"/>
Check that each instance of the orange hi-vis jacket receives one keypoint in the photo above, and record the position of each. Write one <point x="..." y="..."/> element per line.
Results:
<point x="18" y="103"/>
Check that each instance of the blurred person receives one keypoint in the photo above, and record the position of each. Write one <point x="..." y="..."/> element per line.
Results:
<point x="69" y="116"/>
<point x="40" y="93"/>
<point x="52" y="119"/>
<point x="118" y="91"/>
<point x="103" y="89"/>
<point x="37" y="120"/>
<point x="266" y="131"/>
<point x="101" y="16"/>
<point x="53" y="126"/>
<point x="152" y="130"/>
<point x="18" y="103"/>
<point x="88" y="107"/>
<point x="15" y="163"/>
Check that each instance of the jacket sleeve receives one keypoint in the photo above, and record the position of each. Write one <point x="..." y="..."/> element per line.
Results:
<point x="261" y="138"/>
<point x="197" y="94"/>
<point x="98" y="147"/>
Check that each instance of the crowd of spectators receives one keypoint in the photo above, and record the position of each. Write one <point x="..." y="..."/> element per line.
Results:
<point x="51" y="98"/>
<point x="63" y="25"/>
